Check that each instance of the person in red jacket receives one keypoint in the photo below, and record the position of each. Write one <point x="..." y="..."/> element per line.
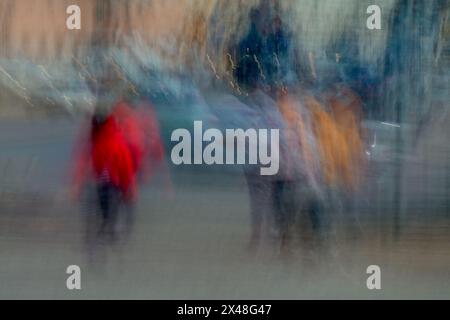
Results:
<point x="141" y="129"/>
<point x="116" y="151"/>
<point x="106" y="159"/>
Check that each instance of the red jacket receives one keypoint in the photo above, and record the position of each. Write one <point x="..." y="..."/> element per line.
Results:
<point x="141" y="131"/>
<point x="107" y="156"/>
<point x="125" y="145"/>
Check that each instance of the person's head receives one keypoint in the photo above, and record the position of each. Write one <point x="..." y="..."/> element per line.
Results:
<point x="256" y="20"/>
<point x="255" y="16"/>
<point x="100" y="115"/>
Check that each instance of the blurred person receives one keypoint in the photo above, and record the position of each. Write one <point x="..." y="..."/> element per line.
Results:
<point x="232" y="112"/>
<point x="324" y="157"/>
<point x="347" y="112"/>
<point x="268" y="193"/>
<point x="305" y="179"/>
<point x="282" y="182"/>
<point x="123" y="147"/>
<point x="336" y="121"/>
<point x="105" y="160"/>
<point x="140" y="127"/>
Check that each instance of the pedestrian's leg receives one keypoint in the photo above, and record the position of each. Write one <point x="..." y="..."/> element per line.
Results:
<point x="314" y="214"/>
<point x="103" y="194"/>
<point x="109" y="200"/>
<point x="114" y="206"/>
<point x="276" y="194"/>
<point x="279" y="212"/>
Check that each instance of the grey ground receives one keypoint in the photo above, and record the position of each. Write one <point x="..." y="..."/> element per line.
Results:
<point x="191" y="244"/>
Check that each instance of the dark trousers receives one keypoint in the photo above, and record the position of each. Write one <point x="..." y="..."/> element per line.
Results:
<point x="109" y="200"/>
